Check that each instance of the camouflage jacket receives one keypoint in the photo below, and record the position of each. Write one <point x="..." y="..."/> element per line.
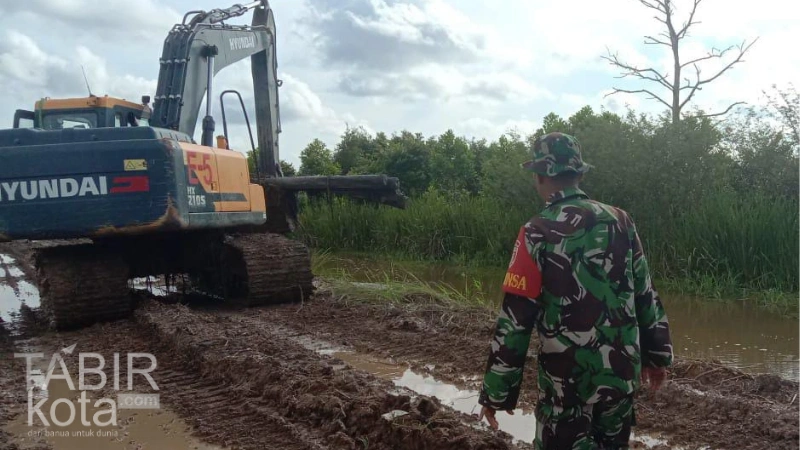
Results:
<point x="579" y="275"/>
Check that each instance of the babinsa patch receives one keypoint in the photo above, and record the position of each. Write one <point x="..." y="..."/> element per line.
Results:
<point x="523" y="276"/>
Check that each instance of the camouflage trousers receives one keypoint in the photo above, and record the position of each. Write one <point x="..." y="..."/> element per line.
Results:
<point x="585" y="427"/>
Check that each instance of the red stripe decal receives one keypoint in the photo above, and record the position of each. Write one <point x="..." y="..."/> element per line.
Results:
<point x="130" y="184"/>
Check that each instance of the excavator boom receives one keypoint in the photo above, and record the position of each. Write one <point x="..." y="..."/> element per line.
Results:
<point x="196" y="51"/>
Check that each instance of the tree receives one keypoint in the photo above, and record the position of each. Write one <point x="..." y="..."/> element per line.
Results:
<point x="358" y="152"/>
<point x="408" y="158"/>
<point x="317" y="159"/>
<point x="672" y="38"/>
<point x="502" y="178"/>
<point x="551" y="122"/>
<point x="786" y="110"/>
<point x="288" y="169"/>
<point x="452" y="166"/>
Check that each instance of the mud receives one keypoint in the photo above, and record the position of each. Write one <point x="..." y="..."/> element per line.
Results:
<point x="240" y="383"/>
<point x="308" y="403"/>
<point x="336" y="372"/>
<point x="520" y="424"/>
<point x="704" y="403"/>
<point x="737" y="332"/>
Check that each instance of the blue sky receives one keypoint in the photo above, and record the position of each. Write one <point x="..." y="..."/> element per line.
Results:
<point x="479" y="67"/>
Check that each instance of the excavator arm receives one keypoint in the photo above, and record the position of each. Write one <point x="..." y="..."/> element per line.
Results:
<point x="199" y="48"/>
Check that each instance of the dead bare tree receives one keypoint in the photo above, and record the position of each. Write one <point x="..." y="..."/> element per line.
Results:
<point x="672" y="38"/>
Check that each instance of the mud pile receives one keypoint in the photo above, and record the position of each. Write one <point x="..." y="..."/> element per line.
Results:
<point x="709" y="402"/>
<point x="297" y="391"/>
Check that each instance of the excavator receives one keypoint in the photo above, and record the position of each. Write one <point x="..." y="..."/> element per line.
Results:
<point x="107" y="190"/>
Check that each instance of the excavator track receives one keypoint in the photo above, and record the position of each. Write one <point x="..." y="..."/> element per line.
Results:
<point x="278" y="269"/>
<point x="259" y="269"/>
<point x="85" y="283"/>
<point x="81" y="284"/>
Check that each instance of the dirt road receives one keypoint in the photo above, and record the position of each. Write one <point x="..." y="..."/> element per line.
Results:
<point x="323" y="375"/>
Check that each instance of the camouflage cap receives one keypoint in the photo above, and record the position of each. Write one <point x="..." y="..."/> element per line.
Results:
<point x="555" y="153"/>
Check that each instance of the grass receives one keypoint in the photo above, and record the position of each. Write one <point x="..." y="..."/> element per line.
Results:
<point x="396" y="285"/>
<point x="470" y="232"/>
<point x="725" y="289"/>
<point x="746" y="242"/>
<point x="385" y="279"/>
<point x="720" y="246"/>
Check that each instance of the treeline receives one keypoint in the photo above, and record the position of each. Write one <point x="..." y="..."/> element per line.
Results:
<point x="714" y="199"/>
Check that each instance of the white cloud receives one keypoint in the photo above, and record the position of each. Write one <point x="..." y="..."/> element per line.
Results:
<point x="470" y="65"/>
<point x="301" y="103"/>
<point x="446" y="83"/>
<point x="23" y="63"/>
<point x="128" y="21"/>
<point x="376" y="34"/>
<point x="479" y="127"/>
<point x="28" y="72"/>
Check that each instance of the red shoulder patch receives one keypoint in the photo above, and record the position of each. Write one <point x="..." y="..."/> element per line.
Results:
<point x="523" y="276"/>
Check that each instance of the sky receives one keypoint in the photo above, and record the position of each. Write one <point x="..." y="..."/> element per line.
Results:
<point x="478" y="67"/>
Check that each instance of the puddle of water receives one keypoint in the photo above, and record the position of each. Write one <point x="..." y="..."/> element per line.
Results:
<point x="134" y="428"/>
<point x="736" y="333"/>
<point x="14" y="272"/>
<point x="521" y="425"/>
<point x="11" y="300"/>
<point x="154" y="285"/>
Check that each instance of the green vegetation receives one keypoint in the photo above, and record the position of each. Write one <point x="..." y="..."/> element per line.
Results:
<point x="716" y="201"/>
<point x="399" y="286"/>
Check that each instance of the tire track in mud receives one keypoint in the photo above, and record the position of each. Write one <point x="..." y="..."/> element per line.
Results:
<point x="239" y="383"/>
<point x="705" y="403"/>
<point x="220" y="414"/>
<point x="288" y="386"/>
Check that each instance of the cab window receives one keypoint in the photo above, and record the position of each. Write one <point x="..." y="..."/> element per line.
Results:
<point x="60" y="121"/>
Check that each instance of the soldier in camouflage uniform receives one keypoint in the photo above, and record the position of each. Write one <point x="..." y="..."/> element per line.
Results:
<point x="579" y="275"/>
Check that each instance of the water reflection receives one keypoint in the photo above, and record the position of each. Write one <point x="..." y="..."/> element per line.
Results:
<point x="14" y="289"/>
<point x="736" y="333"/>
<point x="521" y="425"/>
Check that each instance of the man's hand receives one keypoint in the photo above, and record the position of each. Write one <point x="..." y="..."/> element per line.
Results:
<point x="489" y="414"/>
<point x="654" y="376"/>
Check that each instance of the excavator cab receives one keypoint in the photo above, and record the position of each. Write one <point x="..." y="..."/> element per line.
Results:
<point x="84" y="113"/>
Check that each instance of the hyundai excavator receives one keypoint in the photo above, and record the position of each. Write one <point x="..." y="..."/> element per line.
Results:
<point x="107" y="190"/>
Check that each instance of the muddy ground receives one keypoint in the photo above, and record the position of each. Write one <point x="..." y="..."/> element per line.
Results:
<point x="251" y="379"/>
<point x="704" y="403"/>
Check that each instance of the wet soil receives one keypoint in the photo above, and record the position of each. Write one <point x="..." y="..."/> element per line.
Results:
<point x="256" y="378"/>
<point x="308" y="401"/>
<point x="704" y="402"/>
<point x="241" y="383"/>
<point x="738" y="332"/>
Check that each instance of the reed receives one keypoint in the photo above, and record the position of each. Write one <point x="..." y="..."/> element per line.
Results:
<point x="722" y="244"/>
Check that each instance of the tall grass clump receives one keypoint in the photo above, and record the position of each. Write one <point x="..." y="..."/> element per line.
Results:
<point x="749" y="240"/>
<point x="726" y="240"/>
<point x="469" y="230"/>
